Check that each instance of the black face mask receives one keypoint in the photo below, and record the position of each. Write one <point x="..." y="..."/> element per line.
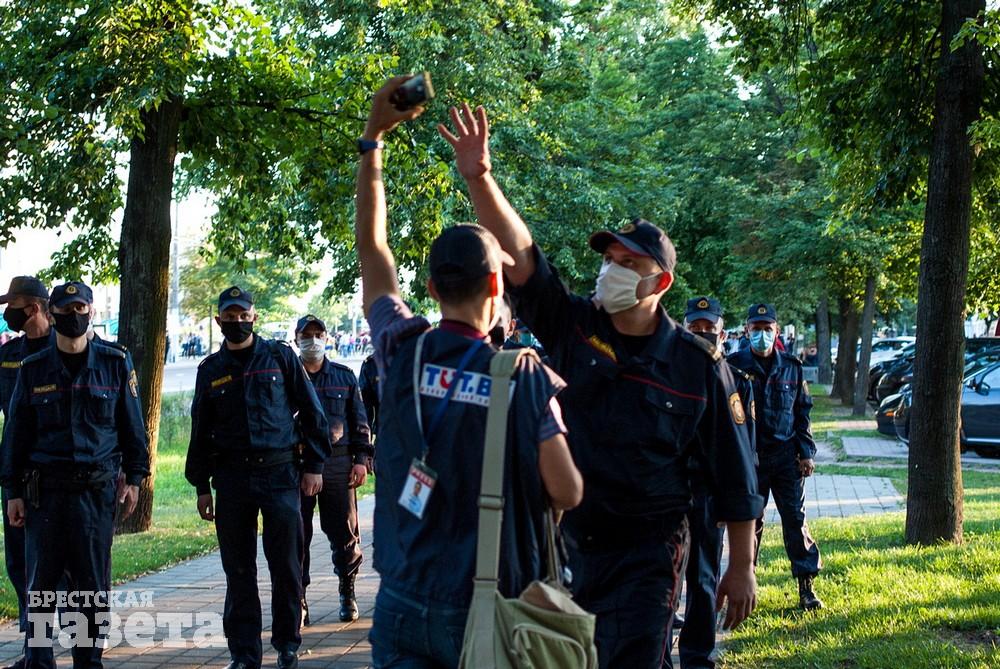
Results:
<point x="72" y="325"/>
<point x="16" y="318"/>
<point x="710" y="337"/>
<point x="237" y="332"/>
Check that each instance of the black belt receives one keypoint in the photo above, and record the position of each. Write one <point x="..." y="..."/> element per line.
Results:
<point x="73" y="479"/>
<point x="258" y="459"/>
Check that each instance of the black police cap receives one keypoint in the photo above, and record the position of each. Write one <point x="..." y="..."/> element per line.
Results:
<point x="234" y="296"/>
<point x="25" y="286"/>
<point x="70" y="293"/>
<point x="641" y="237"/>
<point x="704" y="307"/>
<point x="762" y="313"/>
<point x="309" y="319"/>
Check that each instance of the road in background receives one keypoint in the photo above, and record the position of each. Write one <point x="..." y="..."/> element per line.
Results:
<point x="180" y="376"/>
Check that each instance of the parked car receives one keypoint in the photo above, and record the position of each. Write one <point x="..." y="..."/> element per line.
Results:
<point x="889" y="348"/>
<point x="980" y="411"/>
<point x="885" y="416"/>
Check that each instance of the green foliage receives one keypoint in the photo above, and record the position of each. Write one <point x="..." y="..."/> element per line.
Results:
<point x="206" y="274"/>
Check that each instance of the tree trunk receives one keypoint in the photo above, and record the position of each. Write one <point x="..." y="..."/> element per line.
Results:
<point x="144" y="261"/>
<point x="843" y="378"/>
<point x="823" y="340"/>
<point x="934" y="507"/>
<point x="864" y="360"/>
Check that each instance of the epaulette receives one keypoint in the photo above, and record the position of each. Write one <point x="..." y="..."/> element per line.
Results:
<point x="706" y="347"/>
<point x="789" y="357"/>
<point x="740" y="373"/>
<point x="111" y="351"/>
<point x="208" y="357"/>
<point x="339" y="365"/>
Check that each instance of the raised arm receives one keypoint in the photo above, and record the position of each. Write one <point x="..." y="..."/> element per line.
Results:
<point x="378" y="268"/>
<point x="471" y="140"/>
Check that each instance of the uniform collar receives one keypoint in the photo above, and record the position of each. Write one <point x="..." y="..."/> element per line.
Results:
<point x="460" y="328"/>
<point x="227" y="356"/>
<point x="55" y="356"/>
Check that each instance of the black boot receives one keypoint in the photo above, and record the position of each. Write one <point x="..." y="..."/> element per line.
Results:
<point x="288" y="659"/>
<point x="808" y="601"/>
<point x="305" y="611"/>
<point x="348" y="603"/>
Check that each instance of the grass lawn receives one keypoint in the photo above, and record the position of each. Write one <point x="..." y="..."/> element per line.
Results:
<point x="178" y="532"/>
<point x="888" y="605"/>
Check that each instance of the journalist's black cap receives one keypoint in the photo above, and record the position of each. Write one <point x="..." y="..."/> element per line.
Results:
<point x="235" y="296"/>
<point x="465" y="253"/>
<point x="309" y="319"/>
<point x="762" y="312"/>
<point x="25" y="286"/>
<point x="704" y="307"/>
<point x="71" y="292"/>
<point x="642" y="237"/>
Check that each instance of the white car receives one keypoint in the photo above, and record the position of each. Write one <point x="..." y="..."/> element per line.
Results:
<point x="889" y="348"/>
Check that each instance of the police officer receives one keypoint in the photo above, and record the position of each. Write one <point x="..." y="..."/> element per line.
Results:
<point x="27" y="311"/>
<point x="430" y="445"/>
<point x="368" y="384"/>
<point x="74" y="421"/>
<point x="643" y="396"/>
<point x="785" y="443"/>
<point x="344" y="471"/>
<point x="246" y="442"/>
<point x="696" y="642"/>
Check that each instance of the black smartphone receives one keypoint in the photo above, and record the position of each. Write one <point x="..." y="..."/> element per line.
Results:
<point x="414" y="92"/>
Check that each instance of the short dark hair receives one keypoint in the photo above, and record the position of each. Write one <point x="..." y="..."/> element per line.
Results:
<point x="461" y="292"/>
<point x="43" y="304"/>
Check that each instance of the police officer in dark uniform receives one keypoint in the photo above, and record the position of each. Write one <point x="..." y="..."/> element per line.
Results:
<point x="785" y="445"/>
<point x="644" y="395"/>
<point x="27" y="311"/>
<point x="247" y="441"/>
<point x="696" y="641"/>
<point x="430" y="447"/>
<point x="344" y="471"/>
<point x="74" y="421"/>
<point x="368" y="382"/>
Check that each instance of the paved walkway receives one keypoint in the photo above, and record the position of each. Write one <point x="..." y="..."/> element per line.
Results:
<point x="880" y="447"/>
<point x="198" y="587"/>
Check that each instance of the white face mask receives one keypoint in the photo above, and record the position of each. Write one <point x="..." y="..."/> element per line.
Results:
<point x="616" y="287"/>
<point x="312" y="349"/>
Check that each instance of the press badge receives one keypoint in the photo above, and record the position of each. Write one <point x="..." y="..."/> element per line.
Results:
<point x="418" y="488"/>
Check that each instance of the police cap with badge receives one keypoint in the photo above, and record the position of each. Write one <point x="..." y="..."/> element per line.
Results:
<point x="308" y="320"/>
<point x="73" y="292"/>
<point x="703" y="308"/>
<point x="640" y="237"/>
<point x="762" y="313"/>
<point x="235" y="296"/>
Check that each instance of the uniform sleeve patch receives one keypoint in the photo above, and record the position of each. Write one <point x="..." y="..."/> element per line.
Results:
<point x="133" y="384"/>
<point x="736" y="408"/>
<point x="753" y="410"/>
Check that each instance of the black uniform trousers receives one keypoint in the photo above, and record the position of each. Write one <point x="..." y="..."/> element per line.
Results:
<point x="632" y="583"/>
<point x="241" y="494"/>
<point x="696" y="641"/>
<point x="69" y="536"/>
<point x="778" y="475"/>
<point x="14" y="551"/>
<point x="338" y="518"/>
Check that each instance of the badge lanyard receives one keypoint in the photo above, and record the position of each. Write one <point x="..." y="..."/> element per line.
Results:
<point x="421" y="479"/>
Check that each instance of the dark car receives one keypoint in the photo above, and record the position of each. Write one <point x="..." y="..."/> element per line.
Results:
<point x="980" y="411"/>
<point x="885" y="416"/>
<point x="898" y="372"/>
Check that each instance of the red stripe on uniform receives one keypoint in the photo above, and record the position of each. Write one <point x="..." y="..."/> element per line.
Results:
<point x="678" y="393"/>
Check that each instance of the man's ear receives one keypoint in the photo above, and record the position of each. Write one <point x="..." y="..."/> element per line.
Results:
<point x="495" y="284"/>
<point x="218" y="321"/>
<point x="432" y="290"/>
<point x="664" y="282"/>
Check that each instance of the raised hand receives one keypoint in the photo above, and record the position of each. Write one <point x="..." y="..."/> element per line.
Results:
<point x="384" y="116"/>
<point x="470" y="139"/>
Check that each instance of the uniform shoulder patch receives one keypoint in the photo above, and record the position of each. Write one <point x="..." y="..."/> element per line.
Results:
<point x="112" y="352"/>
<point x="133" y="383"/>
<point x="708" y="348"/>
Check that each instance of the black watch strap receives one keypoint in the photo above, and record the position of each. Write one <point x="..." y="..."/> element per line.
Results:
<point x="366" y="145"/>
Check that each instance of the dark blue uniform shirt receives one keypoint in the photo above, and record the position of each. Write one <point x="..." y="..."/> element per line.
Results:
<point x="91" y="421"/>
<point x="267" y="405"/>
<point x="337" y="389"/>
<point x="12" y="354"/>
<point x="782" y="402"/>
<point x="634" y="422"/>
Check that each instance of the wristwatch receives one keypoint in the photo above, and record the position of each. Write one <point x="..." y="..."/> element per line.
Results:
<point x="366" y="145"/>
